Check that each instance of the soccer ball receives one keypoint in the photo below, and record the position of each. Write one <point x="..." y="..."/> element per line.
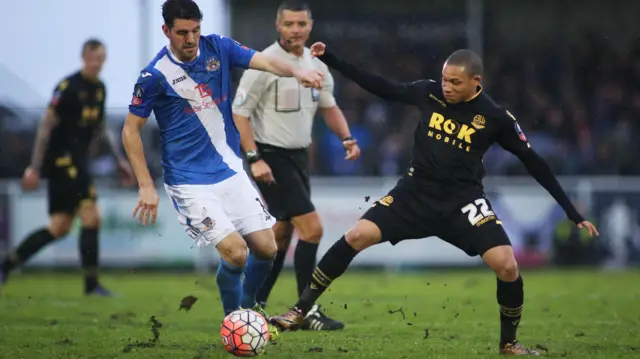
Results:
<point x="244" y="333"/>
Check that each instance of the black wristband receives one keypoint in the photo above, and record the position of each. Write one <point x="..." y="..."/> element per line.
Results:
<point x="349" y="138"/>
<point x="253" y="156"/>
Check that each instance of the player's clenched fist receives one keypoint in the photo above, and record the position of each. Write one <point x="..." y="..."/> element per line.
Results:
<point x="309" y="78"/>
<point x="317" y="49"/>
<point x="30" y="179"/>
<point x="147" y="205"/>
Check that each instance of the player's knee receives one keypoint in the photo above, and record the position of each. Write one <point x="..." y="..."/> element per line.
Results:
<point x="309" y="227"/>
<point x="237" y="257"/>
<point x="507" y="269"/>
<point x="59" y="231"/>
<point x="268" y="251"/>
<point x="262" y="244"/>
<point x="90" y="216"/>
<point x="313" y="234"/>
<point x="233" y="250"/>
<point x="60" y="225"/>
<point x="267" y="248"/>
<point x="503" y="262"/>
<point x="363" y="235"/>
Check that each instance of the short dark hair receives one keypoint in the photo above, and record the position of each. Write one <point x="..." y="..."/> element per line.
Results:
<point x="294" y="6"/>
<point x="91" y="44"/>
<point x="468" y="59"/>
<point x="180" y="9"/>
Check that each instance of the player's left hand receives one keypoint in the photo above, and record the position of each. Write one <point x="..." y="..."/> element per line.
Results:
<point x="589" y="227"/>
<point x="309" y="78"/>
<point x="126" y="173"/>
<point x="352" y="148"/>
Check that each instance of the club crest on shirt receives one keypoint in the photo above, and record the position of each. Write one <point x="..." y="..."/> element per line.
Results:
<point x="212" y="64"/>
<point x="478" y="122"/>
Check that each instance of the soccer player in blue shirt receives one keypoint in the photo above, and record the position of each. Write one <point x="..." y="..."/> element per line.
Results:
<point x="188" y="87"/>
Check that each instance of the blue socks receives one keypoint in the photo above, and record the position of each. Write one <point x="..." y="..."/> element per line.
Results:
<point x="256" y="271"/>
<point x="229" y="281"/>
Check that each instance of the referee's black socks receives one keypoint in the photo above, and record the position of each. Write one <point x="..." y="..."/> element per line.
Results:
<point x="511" y="299"/>
<point x="334" y="263"/>
<point x="27" y="248"/>
<point x="88" y="246"/>
<point x="304" y="262"/>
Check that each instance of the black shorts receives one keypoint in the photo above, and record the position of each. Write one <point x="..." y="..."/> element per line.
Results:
<point x="67" y="187"/>
<point x="413" y="210"/>
<point x="290" y="196"/>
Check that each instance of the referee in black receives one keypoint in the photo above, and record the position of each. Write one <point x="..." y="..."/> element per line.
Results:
<point x="75" y="117"/>
<point x="275" y="118"/>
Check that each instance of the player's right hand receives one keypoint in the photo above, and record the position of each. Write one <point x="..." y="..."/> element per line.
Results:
<point x="147" y="205"/>
<point x="309" y="78"/>
<point x="317" y="49"/>
<point x="261" y="171"/>
<point x="30" y="179"/>
<point x="589" y="227"/>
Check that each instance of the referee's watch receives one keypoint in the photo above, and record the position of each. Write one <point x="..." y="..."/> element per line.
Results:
<point x="253" y="156"/>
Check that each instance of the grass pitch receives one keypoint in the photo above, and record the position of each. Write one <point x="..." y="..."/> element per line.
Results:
<point x="431" y="314"/>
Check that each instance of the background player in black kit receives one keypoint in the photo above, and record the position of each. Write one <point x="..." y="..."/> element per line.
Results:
<point x="442" y="194"/>
<point x="73" y="120"/>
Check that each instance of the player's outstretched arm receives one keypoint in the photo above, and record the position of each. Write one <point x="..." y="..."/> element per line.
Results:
<point x="408" y="93"/>
<point x="244" y="57"/>
<point x="512" y="139"/>
<point x="282" y="68"/>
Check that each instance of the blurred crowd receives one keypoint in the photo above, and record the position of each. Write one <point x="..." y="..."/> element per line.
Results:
<point x="579" y="105"/>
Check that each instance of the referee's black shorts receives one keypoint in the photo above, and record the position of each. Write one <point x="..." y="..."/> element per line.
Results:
<point x="414" y="209"/>
<point x="68" y="186"/>
<point x="290" y="196"/>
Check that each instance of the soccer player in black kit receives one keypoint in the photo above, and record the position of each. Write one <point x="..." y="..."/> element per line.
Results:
<point x="441" y="194"/>
<point x="75" y="117"/>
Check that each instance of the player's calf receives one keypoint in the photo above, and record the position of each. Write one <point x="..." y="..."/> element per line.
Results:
<point x="59" y="226"/>
<point x="510" y="296"/>
<point x="334" y="263"/>
<point x="90" y="217"/>
<point x="283" y="232"/>
<point x="233" y="255"/>
<point x="309" y="228"/>
<point x="259" y="264"/>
